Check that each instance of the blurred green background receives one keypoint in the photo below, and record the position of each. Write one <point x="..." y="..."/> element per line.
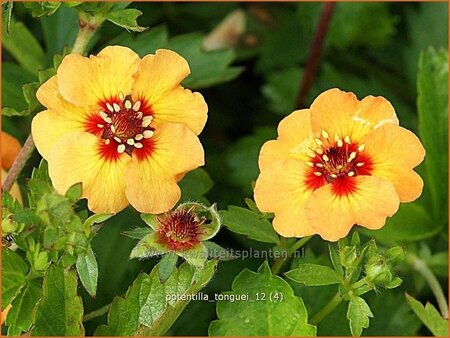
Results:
<point x="371" y="48"/>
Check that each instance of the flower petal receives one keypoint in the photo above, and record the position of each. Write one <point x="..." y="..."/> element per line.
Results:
<point x="48" y="126"/>
<point x="10" y="149"/>
<point x="332" y="111"/>
<point x="394" y="151"/>
<point x="76" y="158"/>
<point x="377" y="111"/>
<point x="281" y="189"/>
<point x="332" y="215"/>
<point x="87" y="81"/>
<point x="152" y="180"/>
<point x="158" y="74"/>
<point x="181" y="106"/>
<point x="294" y="138"/>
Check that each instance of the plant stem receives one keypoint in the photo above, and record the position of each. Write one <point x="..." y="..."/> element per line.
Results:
<point x="315" y="52"/>
<point x="421" y="267"/>
<point x="297" y="245"/>
<point x="279" y="262"/>
<point x="97" y="313"/>
<point x="88" y="26"/>
<point x="19" y="163"/>
<point x="326" y="310"/>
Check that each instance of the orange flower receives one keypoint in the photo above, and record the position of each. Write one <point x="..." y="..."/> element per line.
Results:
<point x="10" y="149"/>
<point x="339" y="163"/>
<point x="121" y="125"/>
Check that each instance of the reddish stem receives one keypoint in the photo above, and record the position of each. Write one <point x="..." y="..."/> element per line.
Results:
<point x="315" y="52"/>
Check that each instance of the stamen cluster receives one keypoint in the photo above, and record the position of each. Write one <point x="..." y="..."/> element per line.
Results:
<point x="125" y="124"/>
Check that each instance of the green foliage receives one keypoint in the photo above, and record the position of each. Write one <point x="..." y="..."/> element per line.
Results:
<point x="42" y="8"/>
<point x="60" y="311"/>
<point x="314" y="275"/>
<point x="149" y="307"/>
<point x="21" y="44"/>
<point x="429" y="316"/>
<point x="126" y="18"/>
<point x="208" y="68"/>
<point x="411" y="223"/>
<point x="271" y="309"/>
<point x="249" y="223"/>
<point x="370" y="49"/>
<point x="14" y="270"/>
<point x="87" y="269"/>
<point x="432" y="102"/>
<point x="358" y="314"/>
<point x="21" y="316"/>
<point x="195" y="185"/>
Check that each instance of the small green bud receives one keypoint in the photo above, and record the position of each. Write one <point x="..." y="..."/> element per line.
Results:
<point x="377" y="271"/>
<point x="40" y="262"/>
<point x="395" y="255"/>
<point x="9" y="225"/>
<point x="349" y="257"/>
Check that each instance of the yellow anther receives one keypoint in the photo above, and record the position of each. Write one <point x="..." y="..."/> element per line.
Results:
<point x="347" y="139"/>
<point x="340" y="143"/>
<point x="325" y="134"/>
<point x="360" y="164"/>
<point x="351" y="173"/>
<point x="318" y="141"/>
<point x="361" y="147"/>
<point x="317" y="173"/>
<point x="325" y="158"/>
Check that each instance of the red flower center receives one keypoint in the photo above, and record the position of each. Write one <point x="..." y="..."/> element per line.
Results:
<point x="334" y="160"/>
<point x="180" y="230"/>
<point x="124" y="124"/>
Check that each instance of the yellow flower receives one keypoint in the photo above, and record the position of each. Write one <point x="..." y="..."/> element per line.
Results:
<point x="121" y="125"/>
<point x="10" y="149"/>
<point x="339" y="163"/>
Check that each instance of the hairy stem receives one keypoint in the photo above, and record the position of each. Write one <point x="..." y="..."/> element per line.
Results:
<point x="315" y="52"/>
<point x="421" y="267"/>
<point x="279" y="262"/>
<point x="97" y="313"/>
<point x="327" y="309"/>
<point x="19" y="163"/>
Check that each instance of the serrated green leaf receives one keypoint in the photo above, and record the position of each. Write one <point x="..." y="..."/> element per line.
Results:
<point x="149" y="307"/>
<point x="60" y="311"/>
<point x="23" y="46"/>
<point x="314" y="275"/>
<point x="410" y="223"/>
<point x="167" y="265"/>
<point x="194" y="185"/>
<point x="216" y="251"/>
<point x="46" y="74"/>
<point x="42" y="8"/>
<point x="432" y="103"/>
<point x="126" y="18"/>
<point x="87" y="269"/>
<point x="429" y="316"/>
<point x="74" y="192"/>
<point x="264" y="313"/>
<point x="21" y="316"/>
<point x="137" y="233"/>
<point x="358" y="314"/>
<point x="246" y="222"/>
<point x="13" y="78"/>
<point x="14" y="270"/>
<point x="148" y="246"/>
<point x="195" y="256"/>
<point x="95" y="219"/>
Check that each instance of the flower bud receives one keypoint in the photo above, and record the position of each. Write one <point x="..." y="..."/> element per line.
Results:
<point x="377" y="271"/>
<point x="395" y="255"/>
